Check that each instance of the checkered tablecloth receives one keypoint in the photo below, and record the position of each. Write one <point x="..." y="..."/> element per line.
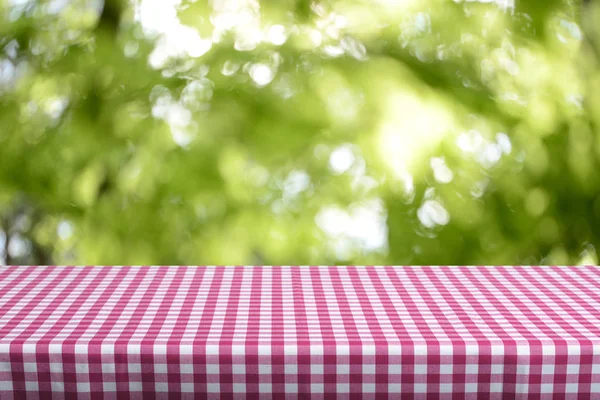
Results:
<point x="284" y="332"/>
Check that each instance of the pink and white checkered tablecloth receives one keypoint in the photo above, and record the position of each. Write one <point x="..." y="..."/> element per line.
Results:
<point x="284" y="332"/>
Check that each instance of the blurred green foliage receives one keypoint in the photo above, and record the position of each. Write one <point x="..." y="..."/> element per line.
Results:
<point x="297" y="131"/>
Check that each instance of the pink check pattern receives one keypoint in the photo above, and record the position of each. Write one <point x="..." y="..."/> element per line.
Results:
<point x="286" y="332"/>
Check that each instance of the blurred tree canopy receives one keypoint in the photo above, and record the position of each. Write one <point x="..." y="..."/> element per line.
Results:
<point x="297" y="131"/>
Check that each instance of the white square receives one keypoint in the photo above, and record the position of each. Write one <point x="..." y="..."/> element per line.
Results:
<point x="212" y="369"/>
<point x="55" y="348"/>
<point x="239" y="388"/>
<point x="317" y="388"/>
<point x="34" y="386"/>
<point x="316" y="350"/>
<point x="523" y="369"/>
<point x="265" y="387"/>
<point x="264" y="369"/>
<point x="342" y="350"/>
<point x="420" y="350"/>
<point x="471" y="369"/>
<point x="186" y="369"/>
<point x="420" y="388"/>
<point x="107" y="349"/>
<point x="368" y="368"/>
<point x="316" y="369"/>
<point x="5" y="366"/>
<point x="135" y="386"/>
<point x="496" y="387"/>
<point x="548" y="369"/>
<point x="81" y="349"/>
<point x="83" y="387"/>
<point x="290" y="350"/>
<point x="497" y="350"/>
<point x="134" y="349"/>
<point x="394" y="369"/>
<point x="264" y="350"/>
<point x="238" y="369"/>
<point x="446" y="350"/>
<point x="56" y="367"/>
<point x="212" y="349"/>
<point x="471" y="350"/>
<point x="6" y="385"/>
<point x="571" y="388"/>
<point x="445" y="369"/>
<point x="160" y="349"/>
<point x="470" y="387"/>
<point x="368" y="387"/>
<point x="420" y="369"/>
<point x="546" y="388"/>
<point x="522" y="388"/>
<point x="596" y="369"/>
<point x="368" y="350"/>
<point x="108" y="368"/>
<point x="161" y="386"/>
<point x="572" y="369"/>
<point x="445" y="388"/>
<point x="343" y="388"/>
<point x="238" y="350"/>
<point x="395" y="350"/>
<point x="497" y="369"/>
<point x="290" y="369"/>
<point x="186" y="349"/>
<point x="110" y="386"/>
<point x="187" y="387"/>
<point x="291" y="388"/>
<point x="595" y="387"/>
<point x="394" y="387"/>
<point x="522" y="350"/>
<point x="548" y="350"/>
<point x="29" y="367"/>
<point x="213" y="387"/>
<point x="134" y="368"/>
<point x="343" y="369"/>
<point x="160" y="368"/>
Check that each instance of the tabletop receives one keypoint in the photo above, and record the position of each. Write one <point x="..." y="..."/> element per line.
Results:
<point x="293" y="331"/>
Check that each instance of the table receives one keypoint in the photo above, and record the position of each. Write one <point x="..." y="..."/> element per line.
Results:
<point x="285" y="332"/>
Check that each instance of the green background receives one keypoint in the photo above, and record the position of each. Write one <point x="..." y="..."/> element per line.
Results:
<point x="298" y="132"/>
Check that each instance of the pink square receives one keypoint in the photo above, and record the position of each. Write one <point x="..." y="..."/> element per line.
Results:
<point x="290" y="359"/>
<point x="343" y="359"/>
<point x="446" y="359"/>
<point x="108" y="358"/>
<point x="212" y="359"/>
<point x="160" y="358"/>
<point x="82" y="377"/>
<point x="395" y="359"/>
<point x="238" y="359"/>
<point x="420" y="378"/>
<point x="29" y="357"/>
<point x="213" y="378"/>
<point x="316" y="359"/>
<point x="369" y="378"/>
<point x="29" y="376"/>
<point x="186" y="359"/>
<point x="55" y="358"/>
<point x="135" y="377"/>
<point x="262" y="359"/>
<point x="187" y="378"/>
<point x="370" y="359"/>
